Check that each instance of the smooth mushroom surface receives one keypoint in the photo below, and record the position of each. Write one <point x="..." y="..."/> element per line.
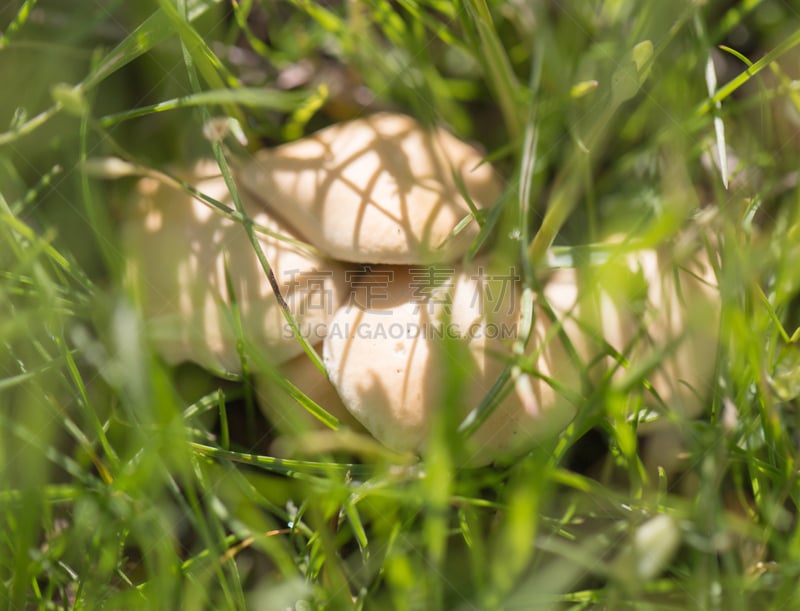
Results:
<point x="200" y="283"/>
<point x="379" y="189"/>
<point x="648" y="323"/>
<point x="387" y="358"/>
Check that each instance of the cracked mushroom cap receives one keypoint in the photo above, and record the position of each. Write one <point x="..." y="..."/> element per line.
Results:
<point x="386" y="357"/>
<point x="379" y="189"/>
<point x="189" y="266"/>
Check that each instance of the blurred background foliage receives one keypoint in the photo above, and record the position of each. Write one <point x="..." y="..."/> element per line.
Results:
<point x="104" y="501"/>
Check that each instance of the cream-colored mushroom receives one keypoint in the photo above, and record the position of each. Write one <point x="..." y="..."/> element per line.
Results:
<point x="379" y="189"/>
<point x="190" y="265"/>
<point x="681" y="329"/>
<point x="387" y="358"/>
<point x="648" y="309"/>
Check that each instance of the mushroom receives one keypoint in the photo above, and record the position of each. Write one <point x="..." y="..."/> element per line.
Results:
<point x="680" y="328"/>
<point x="647" y="308"/>
<point x="379" y="189"/>
<point x="190" y="266"/>
<point x="383" y="190"/>
<point x="386" y="359"/>
<point x="652" y="324"/>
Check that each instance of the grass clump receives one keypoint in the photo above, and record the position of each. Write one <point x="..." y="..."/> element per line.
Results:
<point x="128" y="484"/>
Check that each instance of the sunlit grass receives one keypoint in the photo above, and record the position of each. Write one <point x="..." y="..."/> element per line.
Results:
<point x="128" y="484"/>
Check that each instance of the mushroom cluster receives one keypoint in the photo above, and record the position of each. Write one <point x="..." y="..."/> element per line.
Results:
<point x="200" y="284"/>
<point x="407" y="332"/>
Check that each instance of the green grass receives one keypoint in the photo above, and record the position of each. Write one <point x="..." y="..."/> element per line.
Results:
<point x="127" y="484"/>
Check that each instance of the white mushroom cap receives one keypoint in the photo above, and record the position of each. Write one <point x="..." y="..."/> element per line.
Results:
<point x="178" y="249"/>
<point x="386" y="360"/>
<point x="375" y="190"/>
